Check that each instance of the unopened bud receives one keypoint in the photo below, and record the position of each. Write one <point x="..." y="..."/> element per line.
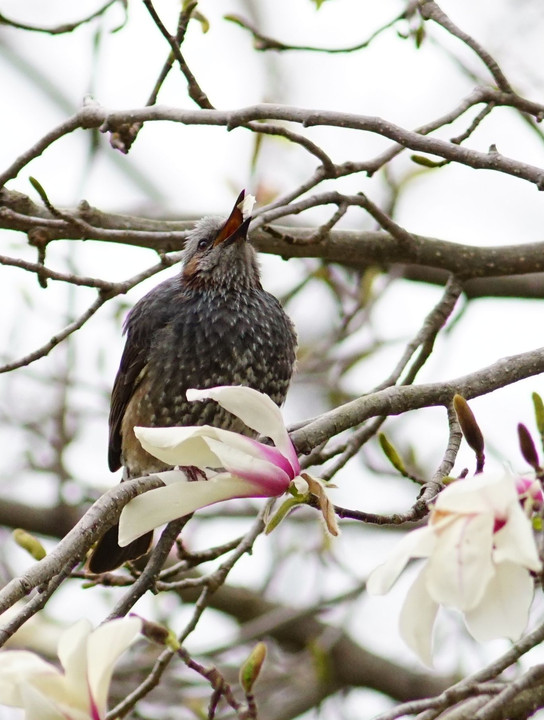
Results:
<point x="539" y="412"/>
<point x="391" y="454"/>
<point x="251" y="669"/>
<point x="29" y="543"/>
<point x="471" y="430"/>
<point x="159" y="634"/>
<point x="527" y="447"/>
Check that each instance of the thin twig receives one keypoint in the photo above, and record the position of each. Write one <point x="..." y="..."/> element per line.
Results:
<point x="431" y="11"/>
<point x="60" y="29"/>
<point x="195" y="91"/>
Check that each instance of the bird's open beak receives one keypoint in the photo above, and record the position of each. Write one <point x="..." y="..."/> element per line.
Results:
<point x="235" y="227"/>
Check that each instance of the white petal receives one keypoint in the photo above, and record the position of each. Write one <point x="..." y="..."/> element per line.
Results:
<point x="73" y="657"/>
<point x="246" y="206"/>
<point x="208" y="447"/>
<point x="179" y="445"/>
<point x="256" y="410"/>
<point x="18" y="667"/>
<point x="417" y="619"/>
<point x="461" y="565"/>
<point x="491" y="492"/>
<point x="156" y="507"/>
<point x="515" y="541"/>
<point x="38" y="706"/>
<point x="504" y="609"/>
<point x="418" y="543"/>
<point x="104" y="647"/>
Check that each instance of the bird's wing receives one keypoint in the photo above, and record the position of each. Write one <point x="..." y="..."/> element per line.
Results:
<point x="148" y="316"/>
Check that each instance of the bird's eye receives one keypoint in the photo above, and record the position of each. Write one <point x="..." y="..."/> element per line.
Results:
<point x="203" y="244"/>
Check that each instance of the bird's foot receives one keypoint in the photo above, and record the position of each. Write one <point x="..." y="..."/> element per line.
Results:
<point x="194" y="474"/>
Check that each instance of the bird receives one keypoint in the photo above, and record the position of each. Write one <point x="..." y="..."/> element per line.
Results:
<point x="211" y="324"/>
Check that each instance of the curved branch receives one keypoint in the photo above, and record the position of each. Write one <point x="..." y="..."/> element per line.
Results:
<point x="92" y="116"/>
<point x="428" y="259"/>
<point x="102" y="515"/>
<point x="400" y="399"/>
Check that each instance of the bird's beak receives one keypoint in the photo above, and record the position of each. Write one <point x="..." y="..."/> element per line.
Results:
<point x="235" y="227"/>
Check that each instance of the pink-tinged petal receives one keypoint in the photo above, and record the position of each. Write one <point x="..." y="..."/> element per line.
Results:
<point x="504" y="609"/>
<point x="189" y="445"/>
<point x="417" y="619"/>
<point x="156" y="507"/>
<point x="461" y="565"/>
<point x="105" y="645"/>
<point x="418" y="543"/>
<point x="515" y="541"/>
<point x="257" y="411"/>
<point x="529" y="487"/>
<point x="241" y="456"/>
<point x="270" y="477"/>
<point x="274" y="456"/>
<point x="18" y="667"/>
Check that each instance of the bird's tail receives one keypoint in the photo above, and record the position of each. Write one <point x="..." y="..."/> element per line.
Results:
<point x="109" y="555"/>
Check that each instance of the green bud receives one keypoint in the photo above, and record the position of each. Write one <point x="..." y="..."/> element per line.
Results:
<point x="29" y="543"/>
<point x="425" y="161"/>
<point x="391" y="454"/>
<point x="251" y="669"/>
<point x="419" y="35"/>
<point x="202" y="19"/>
<point x="39" y="189"/>
<point x="539" y="412"/>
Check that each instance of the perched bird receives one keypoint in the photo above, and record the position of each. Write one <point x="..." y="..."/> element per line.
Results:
<point x="211" y="325"/>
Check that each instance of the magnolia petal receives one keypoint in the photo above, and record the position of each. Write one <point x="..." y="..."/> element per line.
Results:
<point x="104" y="647"/>
<point x="417" y="543"/>
<point x="72" y="652"/>
<point x="208" y="447"/>
<point x="246" y="206"/>
<point x="487" y="493"/>
<point x="38" y="706"/>
<point x="271" y="477"/>
<point x="515" y="541"/>
<point x="169" y="477"/>
<point x="504" y="609"/>
<point x="18" y="667"/>
<point x="256" y="410"/>
<point x="461" y="565"/>
<point x="417" y="619"/>
<point x="179" y="445"/>
<point x="159" y="506"/>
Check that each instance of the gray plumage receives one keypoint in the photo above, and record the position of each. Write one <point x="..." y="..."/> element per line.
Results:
<point x="211" y="325"/>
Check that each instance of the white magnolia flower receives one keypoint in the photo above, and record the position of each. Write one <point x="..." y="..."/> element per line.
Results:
<point x="80" y="691"/>
<point x="248" y="468"/>
<point x="480" y="548"/>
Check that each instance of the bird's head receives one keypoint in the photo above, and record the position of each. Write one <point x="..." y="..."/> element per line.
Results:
<point x="217" y="254"/>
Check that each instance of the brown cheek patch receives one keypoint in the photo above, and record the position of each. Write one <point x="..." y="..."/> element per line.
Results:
<point x="190" y="269"/>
